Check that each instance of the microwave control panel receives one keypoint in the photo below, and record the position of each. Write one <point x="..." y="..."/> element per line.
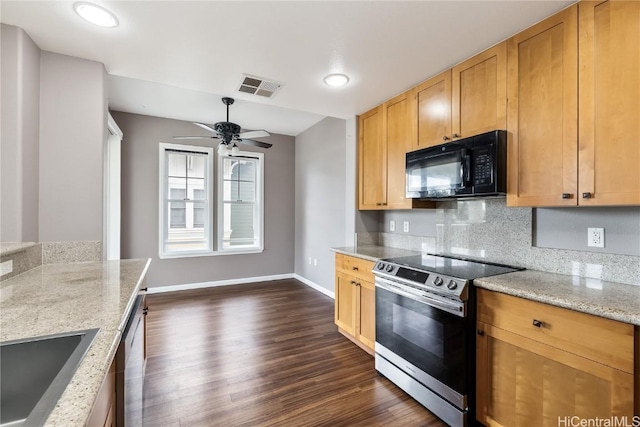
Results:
<point x="482" y="166"/>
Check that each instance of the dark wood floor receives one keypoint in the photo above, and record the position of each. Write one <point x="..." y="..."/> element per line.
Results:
<point x="264" y="354"/>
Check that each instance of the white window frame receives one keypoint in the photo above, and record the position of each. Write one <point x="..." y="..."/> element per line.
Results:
<point x="259" y="204"/>
<point x="164" y="214"/>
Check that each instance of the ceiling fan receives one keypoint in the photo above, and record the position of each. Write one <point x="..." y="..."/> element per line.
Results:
<point x="230" y="134"/>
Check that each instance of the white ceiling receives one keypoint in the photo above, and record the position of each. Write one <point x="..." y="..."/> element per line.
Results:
<point x="177" y="58"/>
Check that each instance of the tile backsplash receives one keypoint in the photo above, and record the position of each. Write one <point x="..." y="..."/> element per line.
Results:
<point x="487" y="229"/>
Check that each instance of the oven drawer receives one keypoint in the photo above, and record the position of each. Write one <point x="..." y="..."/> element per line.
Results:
<point x="353" y="266"/>
<point x="602" y="340"/>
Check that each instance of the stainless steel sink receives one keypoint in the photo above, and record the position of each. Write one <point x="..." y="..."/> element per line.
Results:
<point x="34" y="373"/>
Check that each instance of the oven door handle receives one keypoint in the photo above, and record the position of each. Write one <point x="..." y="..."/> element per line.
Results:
<point x="453" y="308"/>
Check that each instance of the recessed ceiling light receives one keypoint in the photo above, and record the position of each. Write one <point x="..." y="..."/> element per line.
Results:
<point x="95" y="14"/>
<point x="336" y="80"/>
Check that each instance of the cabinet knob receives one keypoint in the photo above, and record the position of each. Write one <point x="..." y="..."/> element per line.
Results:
<point x="445" y="138"/>
<point x="586" y="195"/>
<point x="378" y="204"/>
<point x="537" y="323"/>
<point x="354" y="268"/>
<point x="456" y="135"/>
<point x="566" y="195"/>
<point x="480" y="332"/>
<point x="144" y="289"/>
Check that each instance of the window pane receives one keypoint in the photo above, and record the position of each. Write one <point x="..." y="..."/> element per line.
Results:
<point x="196" y="189"/>
<point x="247" y="191"/>
<point x="198" y="215"/>
<point x="247" y="170"/>
<point x="177" y="164"/>
<point x="238" y="220"/>
<point x="196" y="166"/>
<point x="178" y="215"/>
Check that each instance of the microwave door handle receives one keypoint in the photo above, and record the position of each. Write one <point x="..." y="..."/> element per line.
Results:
<point x="467" y="169"/>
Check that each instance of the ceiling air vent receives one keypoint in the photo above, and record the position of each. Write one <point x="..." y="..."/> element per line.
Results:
<point x="259" y="86"/>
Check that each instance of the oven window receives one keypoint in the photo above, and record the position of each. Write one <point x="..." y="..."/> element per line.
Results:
<point x="423" y="331"/>
<point x="433" y="340"/>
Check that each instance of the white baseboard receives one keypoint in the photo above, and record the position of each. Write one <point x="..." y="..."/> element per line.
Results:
<point x="315" y="286"/>
<point x="189" y="286"/>
<point x="200" y="285"/>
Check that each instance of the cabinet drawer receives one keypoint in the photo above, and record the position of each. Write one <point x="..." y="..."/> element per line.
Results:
<point x="357" y="267"/>
<point x="602" y="340"/>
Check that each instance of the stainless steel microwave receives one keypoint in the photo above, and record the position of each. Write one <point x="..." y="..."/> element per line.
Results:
<point x="468" y="167"/>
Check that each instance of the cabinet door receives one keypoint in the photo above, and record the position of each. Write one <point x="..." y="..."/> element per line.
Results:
<point x="609" y="152"/>
<point x="543" y="113"/>
<point x="366" y="333"/>
<point x="434" y="111"/>
<point x="346" y="298"/>
<point x="479" y="93"/>
<point x="372" y="160"/>
<point x="521" y="382"/>
<point x="400" y="134"/>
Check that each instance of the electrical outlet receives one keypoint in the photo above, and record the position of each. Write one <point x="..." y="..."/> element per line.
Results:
<point x="392" y="225"/>
<point x="6" y="267"/>
<point x="315" y="262"/>
<point x="405" y="226"/>
<point x="309" y="260"/>
<point x="596" y="238"/>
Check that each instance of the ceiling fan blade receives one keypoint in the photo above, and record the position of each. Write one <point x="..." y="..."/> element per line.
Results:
<point x="254" y="134"/>
<point x="254" y="143"/>
<point x="195" y="137"/>
<point x="205" y="126"/>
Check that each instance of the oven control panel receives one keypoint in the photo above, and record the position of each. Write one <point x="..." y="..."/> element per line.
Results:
<point x="429" y="281"/>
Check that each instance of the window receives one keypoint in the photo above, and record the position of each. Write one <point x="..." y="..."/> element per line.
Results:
<point x="240" y="207"/>
<point x="185" y="200"/>
<point x="187" y="214"/>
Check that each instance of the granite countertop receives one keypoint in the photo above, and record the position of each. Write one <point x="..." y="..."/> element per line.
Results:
<point x="60" y="298"/>
<point x="374" y="253"/>
<point x="8" y="248"/>
<point x="611" y="300"/>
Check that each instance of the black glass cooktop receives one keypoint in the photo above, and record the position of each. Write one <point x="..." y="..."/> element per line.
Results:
<point x="454" y="267"/>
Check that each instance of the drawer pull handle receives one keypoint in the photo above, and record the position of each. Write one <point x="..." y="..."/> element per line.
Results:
<point x="566" y="195"/>
<point x="145" y="311"/>
<point x="353" y="282"/>
<point x="480" y="332"/>
<point x="455" y="135"/>
<point x="537" y="323"/>
<point x="586" y="195"/>
<point x="354" y="268"/>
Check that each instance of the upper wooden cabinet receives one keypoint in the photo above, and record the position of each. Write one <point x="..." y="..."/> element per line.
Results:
<point x="372" y="160"/>
<point x="542" y="112"/>
<point x="467" y="100"/>
<point x="479" y="93"/>
<point x="386" y="134"/>
<point x="434" y="111"/>
<point x="574" y="104"/>
<point x="609" y="103"/>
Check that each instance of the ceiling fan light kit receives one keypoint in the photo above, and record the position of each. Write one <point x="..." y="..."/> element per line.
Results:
<point x="230" y="134"/>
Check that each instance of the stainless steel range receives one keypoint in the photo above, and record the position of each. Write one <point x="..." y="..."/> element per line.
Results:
<point x="425" y="341"/>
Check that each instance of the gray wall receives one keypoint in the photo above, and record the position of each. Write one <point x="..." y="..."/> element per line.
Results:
<point x="73" y="134"/>
<point x="561" y="228"/>
<point x="142" y="134"/>
<point x="320" y="199"/>
<point x="20" y="88"/>
<point x="567" y="229"/>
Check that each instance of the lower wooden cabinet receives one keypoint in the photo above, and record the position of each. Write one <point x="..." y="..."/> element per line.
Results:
<point x="104" y="407"/>
<point x="355" y="300"/>
<point x="531" y="373"/>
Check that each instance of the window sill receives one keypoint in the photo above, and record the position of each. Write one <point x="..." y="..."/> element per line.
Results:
<point x="207" y="254"/>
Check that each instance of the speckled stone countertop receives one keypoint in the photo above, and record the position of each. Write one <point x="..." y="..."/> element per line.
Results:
<point x="374" y="253"/>
<point x="8" y="248"/>
<point x="60" y="298"/>
<point x="615" y="301"/>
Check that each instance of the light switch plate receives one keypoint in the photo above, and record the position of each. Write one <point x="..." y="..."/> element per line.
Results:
<point x="392" y="225"/>
<point x="6" y="267"/>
